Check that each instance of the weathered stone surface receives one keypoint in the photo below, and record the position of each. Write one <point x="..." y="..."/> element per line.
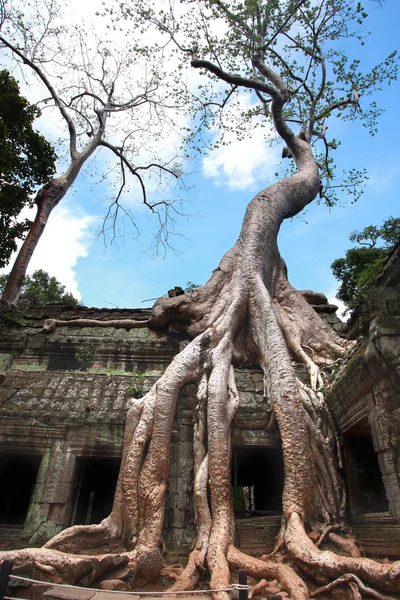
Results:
<point x="325" y="308"/>
<point x="256" y="535"/>
<point x="5" y="362"/>
<point x="326" y="311"/>
<point x="115" y="584"/>
<point x="379" y="533"/>
<point x="63" y="593"/>
<point x="64" y="415"/>
<point x="364" y="401"/>
<point x="315" y="298"/>
<point x="44" y="532"/>
<point x="149" y="567"/>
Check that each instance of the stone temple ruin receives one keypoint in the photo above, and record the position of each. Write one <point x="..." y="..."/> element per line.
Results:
<point x="63" y="399"/>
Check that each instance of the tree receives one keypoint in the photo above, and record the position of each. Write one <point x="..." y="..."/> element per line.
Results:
<point x="361" y="265"/>
<point x="285" y="54"/>
<point x="26" y="162"/>
<point x="88" y="85"/>
<point x="191" y="287"/>
<point x="43" y="289"/>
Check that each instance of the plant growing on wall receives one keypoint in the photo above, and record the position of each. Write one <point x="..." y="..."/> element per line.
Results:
<point x="86" y="355"/>
<point x="135" y="389"/>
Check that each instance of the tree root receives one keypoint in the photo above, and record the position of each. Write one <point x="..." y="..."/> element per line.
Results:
<point x="49" y="325"/>
<point x="323" y="535"/>
<point x="261" y="569"/>
<point x="350" y="578"/>
<point x="277" y="547"/>
<point x="247" y="312"/>
<point x="321" y="564"/>
<point x="79" y="539"/>
<point x="60" y="567"/>
<point x="137" y="516"/>
<point x="258" y="588"/>
<point x="347" y="545"/>
<point x="172" y="571"/>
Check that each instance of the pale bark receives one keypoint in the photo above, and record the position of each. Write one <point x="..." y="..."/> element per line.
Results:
<point x="246" y="312"/>
<point x="46" y="201"/>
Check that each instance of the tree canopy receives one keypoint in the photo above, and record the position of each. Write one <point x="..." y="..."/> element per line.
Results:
<point x="43" y="289"/>
<point x="258" y="52"/>
<point x="359" y="268"/>
<point x="27" y="161"/>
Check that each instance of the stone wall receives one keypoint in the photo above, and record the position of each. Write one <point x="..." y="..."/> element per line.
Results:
<point x="65" y="416"/>
<point x="51" y="409"/>
<point x="365" y="402"/>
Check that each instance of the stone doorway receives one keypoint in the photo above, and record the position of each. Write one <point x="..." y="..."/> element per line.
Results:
<point x="363" y="476"/>
<point x="96" y="481"/>
<point x="257" y="481"/>
<point x="18" y="474"/>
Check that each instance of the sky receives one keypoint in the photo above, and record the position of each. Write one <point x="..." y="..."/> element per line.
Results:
<point x="126" y="274"/>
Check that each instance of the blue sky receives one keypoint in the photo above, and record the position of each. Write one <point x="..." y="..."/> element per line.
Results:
<point x="126" y="274"/>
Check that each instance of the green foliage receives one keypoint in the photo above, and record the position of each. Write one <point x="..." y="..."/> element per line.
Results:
<point x="357" y="270"/>
<point x="11" y="316"/>
<point x="43" y="289"/>
<point x="32" y="368"/>
<point x="252" y="52"/>
<point x="191" y="287"/>
<point x="361" y="265"/>
<point x="26" y="161"/>
<point x="85" y="355"/>
<point x="135" y="389"/>
<point x="389" y="233"/>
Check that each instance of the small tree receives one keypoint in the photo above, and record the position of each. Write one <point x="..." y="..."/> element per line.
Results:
<point x="26" y="162"/>
<point x="88" y="84"/>
<point x="43" y="289"/>
<point x="361" y="265"/>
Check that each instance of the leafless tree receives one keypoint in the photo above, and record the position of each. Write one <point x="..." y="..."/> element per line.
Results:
<point x="107" y="99"/>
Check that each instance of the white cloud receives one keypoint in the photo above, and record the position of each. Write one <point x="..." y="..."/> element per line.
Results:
<point x="331" y="295"/>
<point x="65" y="239"/>
<point x="242" y="164"/>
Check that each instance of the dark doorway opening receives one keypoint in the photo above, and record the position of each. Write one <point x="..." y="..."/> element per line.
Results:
<point x="364" y="480"/>
<point x="96" y="479"/>
<point x="257" y="481"/>
<point x="18" y="476"/>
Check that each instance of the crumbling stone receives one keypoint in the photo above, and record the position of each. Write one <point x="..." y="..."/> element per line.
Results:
<point x="149" y="567"/>
<point x="176" y="291"/>
<point x="115" y="584"/>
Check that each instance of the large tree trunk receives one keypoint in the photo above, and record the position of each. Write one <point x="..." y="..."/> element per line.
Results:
<point x="246" y="312"/>
<point x="46" y="200"/>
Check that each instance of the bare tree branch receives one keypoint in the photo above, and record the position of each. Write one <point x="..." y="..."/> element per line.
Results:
<point x="49" y="86"/>
<point x="237" y="80"/>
